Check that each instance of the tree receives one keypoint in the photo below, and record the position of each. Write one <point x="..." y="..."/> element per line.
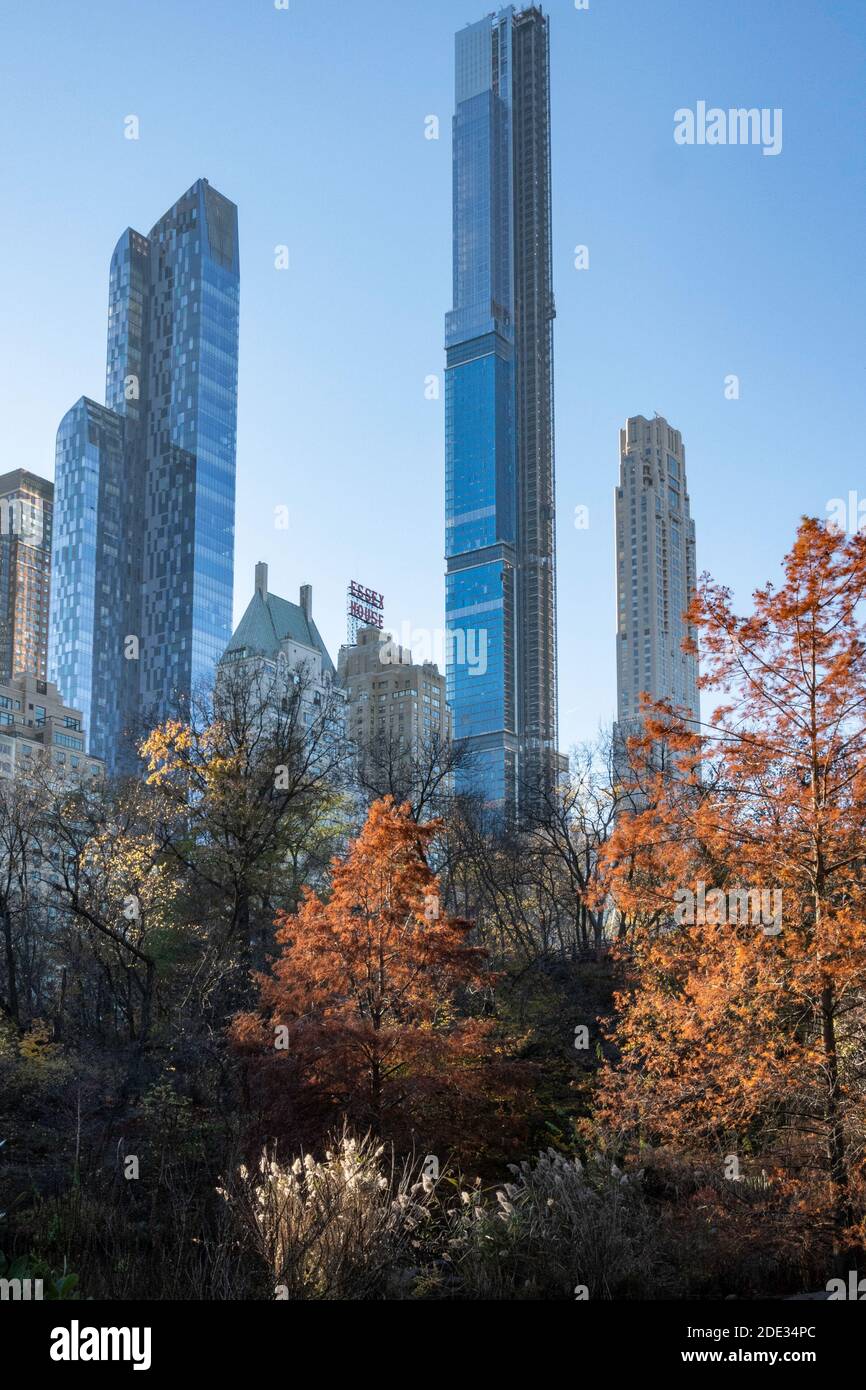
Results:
<point x="743" y="1026"/>
<point x="248" y="795"/>
<point x="569" y="825"/>
<point x="22" y="912"/>
<point x="421" y="773"/>
<point x="366" y="1005"/>
<point x="537" y="892"/>
<point x="113" y="900"/>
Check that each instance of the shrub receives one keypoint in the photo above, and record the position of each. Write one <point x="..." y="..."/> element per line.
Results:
<point x="343" y="1227"/>
<point x="559" y="1225"/>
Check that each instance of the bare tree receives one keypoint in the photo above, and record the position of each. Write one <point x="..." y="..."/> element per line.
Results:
<point x="422" y="773"/>
<point x="22" y="908"/>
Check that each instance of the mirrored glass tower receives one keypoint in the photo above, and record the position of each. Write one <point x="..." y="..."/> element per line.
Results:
<point x="500" y="513"/>
<point x="145" y="485"/>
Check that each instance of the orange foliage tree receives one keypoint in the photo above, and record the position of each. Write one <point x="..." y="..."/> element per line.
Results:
<point x="742" y="1028"/>
<point x="366" y="1015"/>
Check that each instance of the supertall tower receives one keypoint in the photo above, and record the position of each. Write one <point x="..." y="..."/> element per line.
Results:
<point x="656" y="571"/>
<point x="500" y="509"/>
<point x="145" y="485"/>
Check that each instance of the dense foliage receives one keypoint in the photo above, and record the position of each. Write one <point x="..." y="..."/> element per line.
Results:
<point x="283" y="1018"/>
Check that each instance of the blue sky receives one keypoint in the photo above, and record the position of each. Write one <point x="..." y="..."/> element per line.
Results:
<point x="704" y="262"/>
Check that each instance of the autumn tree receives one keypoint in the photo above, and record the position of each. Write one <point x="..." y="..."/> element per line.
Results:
<point x="116" y="909"/>
<point x="367" y="1012"/>
<point x="248" y="786"/>
<point x="742" y="1030"/>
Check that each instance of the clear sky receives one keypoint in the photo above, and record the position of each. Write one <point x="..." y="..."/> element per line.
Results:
<point x="704" y="262"/>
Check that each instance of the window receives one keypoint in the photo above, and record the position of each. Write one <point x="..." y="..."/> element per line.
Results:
<point x="67" y="741"/>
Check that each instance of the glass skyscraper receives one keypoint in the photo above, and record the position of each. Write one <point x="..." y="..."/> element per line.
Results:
<point x="500" y="511"/>
<point x="92" y="589"/>
<point x="145" y="485"/>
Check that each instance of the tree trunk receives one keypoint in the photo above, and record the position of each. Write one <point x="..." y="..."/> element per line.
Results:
<point x="11" y="971"/>
<point x="843" y="1216"/>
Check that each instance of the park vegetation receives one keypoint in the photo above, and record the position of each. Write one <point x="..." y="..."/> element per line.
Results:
<point x="280" y="1018"/>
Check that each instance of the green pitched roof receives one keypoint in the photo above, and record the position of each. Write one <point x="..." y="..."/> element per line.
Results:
<point x="270" y="621"/>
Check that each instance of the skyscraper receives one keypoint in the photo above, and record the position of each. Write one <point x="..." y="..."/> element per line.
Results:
<point x="500" y="512"/>
<point x="26" y="506"/>
<point x="145" y="485"/>
<point x="656" y="571"/>
<point x="95" y="585"/>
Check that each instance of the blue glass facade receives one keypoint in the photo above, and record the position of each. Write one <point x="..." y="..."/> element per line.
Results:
<point x="480" y="548"/>
<point x="171" y="387"/>
<point x="189" y="499"/>
<point x="90" y="573"/>
<point x="496" y="475"/>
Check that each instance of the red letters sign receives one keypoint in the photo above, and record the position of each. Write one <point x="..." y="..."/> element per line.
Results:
<point x="365" y="608"/>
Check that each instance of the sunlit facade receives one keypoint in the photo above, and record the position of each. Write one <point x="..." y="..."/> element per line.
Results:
<point x="656" y="572"/>
<point x="26" y="518"/>
<point x="154" y="630"/>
